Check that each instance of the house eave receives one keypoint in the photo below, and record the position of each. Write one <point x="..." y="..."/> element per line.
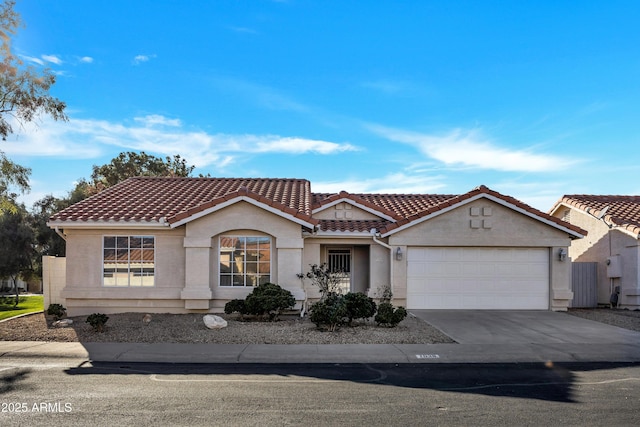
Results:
<point x="344" y="234"/>
<point x="107" y="224"/>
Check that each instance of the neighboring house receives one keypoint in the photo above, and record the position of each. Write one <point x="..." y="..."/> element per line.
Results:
<point x="613" y="224"/>
<point x="6" y="285"/>
<point x="184" y="244"/>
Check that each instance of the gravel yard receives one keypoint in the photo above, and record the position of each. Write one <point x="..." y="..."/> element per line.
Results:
<point x="189" y="328"/>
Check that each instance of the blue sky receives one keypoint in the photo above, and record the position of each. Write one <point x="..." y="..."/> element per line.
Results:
<point x="533" y="99"/>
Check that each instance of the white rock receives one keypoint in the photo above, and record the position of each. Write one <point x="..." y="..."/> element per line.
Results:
<point x="62" y="323"/>
<point x="212" y="321"/>
<point x="146" y="319"/>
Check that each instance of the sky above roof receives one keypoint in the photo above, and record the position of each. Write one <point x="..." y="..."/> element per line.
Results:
<point x="532" y="99"/>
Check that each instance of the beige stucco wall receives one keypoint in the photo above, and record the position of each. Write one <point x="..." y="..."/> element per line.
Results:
<point x="54" y="277"/>
<point x="187" y="264"/>
<point x="484" y="223"/>
<point x="84" y="292"/>
<point x="600" y="244"/>
<point x="242" y="218"/>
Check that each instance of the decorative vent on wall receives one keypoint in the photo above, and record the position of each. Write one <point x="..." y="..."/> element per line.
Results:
<point x="476" y="213"/>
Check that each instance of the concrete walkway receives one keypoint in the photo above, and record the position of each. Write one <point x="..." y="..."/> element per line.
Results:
<point x="483" y="337"/>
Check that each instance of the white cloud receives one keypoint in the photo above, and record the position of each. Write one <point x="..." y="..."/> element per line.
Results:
<point x="156" y="119"/>
<point x="299" y="145"/>
<point x="81" y="138"/>
<point x="32" y="59"/>
<point x="86" y="59"/>
<point x="139" y="59"/>
<point x="394" y="183"/>
<point x="471" y="149"/>
<point x="52" y="59"/>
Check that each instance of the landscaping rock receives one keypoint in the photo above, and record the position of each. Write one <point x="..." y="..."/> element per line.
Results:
<point x="64" y="323"/>
<point x="212" y="321"/>
<point x="146" y="319"/>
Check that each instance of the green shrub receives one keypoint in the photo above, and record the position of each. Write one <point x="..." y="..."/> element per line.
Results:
<point x="97" y="321"/>
<point x="268" y="299"/>
<point x="57" y="311"/>
<point x="235" y="305"/>
<point x="359" y="306"/>
<point x="330" y="312"/>
<point x="389" y="316"/>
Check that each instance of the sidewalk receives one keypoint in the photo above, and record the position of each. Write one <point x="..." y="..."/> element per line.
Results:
<point x="322" y="353"/>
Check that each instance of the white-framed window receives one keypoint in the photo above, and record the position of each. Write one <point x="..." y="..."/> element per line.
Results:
<point x="245" y="260"/>
<point x="128" y="261"/>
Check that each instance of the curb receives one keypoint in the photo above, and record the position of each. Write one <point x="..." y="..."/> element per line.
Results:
<point x="21" y="315"/>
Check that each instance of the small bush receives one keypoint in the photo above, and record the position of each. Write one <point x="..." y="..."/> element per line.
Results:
<point x="97" y="321"/>
<point x="235" y="305"/>
<point x="269" y="300"/>
<point x="330" y="312"/>
<point x="57" y="311"/>
<point x="359" y="306"/>
<point x="389" y="316"/>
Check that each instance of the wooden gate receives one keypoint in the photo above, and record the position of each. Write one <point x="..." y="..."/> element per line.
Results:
<point x="584" y="284"/>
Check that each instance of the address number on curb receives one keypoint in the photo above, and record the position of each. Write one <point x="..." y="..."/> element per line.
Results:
<point x="427" y="356"/>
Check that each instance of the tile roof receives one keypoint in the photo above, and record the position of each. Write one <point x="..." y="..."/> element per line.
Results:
<point x="622" y="211"/>
<point x="154" y="199"/>
<point x="360" y="226"/>
<point x="148" y="199"/>
<point x="397" y="206"/>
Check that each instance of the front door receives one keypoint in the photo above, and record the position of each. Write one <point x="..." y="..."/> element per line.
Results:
<point x="339" y="261"/>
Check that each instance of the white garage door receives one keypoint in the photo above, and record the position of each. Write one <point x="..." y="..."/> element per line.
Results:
<point x="478" y="278"/>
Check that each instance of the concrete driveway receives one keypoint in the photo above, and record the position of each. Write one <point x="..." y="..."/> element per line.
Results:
<point x="523" y="327"/>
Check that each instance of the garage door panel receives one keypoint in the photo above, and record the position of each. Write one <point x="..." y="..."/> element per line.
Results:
<point x="477" y="278"/>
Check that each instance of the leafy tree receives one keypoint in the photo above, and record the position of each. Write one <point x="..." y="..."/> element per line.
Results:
<point x="24" y="96"/>
<point x="24" y="91"/>
<point x="46" y="240"/>
<point x="12" y="176"/>
<point x="125" y="165"/>
<point x="131" y="164"/>
<point x="16" y="249"/>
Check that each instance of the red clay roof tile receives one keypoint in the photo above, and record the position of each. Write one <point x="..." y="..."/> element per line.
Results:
<point x="148" y="199"/>
<point x="622" y="211"/>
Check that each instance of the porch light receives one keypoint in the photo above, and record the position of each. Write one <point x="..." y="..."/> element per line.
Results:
<point x="562" y="254"/>
<point x="398" y="254"/>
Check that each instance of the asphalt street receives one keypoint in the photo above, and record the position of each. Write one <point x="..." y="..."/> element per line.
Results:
<point x="62" y="392"/>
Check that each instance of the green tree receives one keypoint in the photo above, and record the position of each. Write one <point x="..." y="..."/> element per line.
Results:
<point x="24" y="96"/>
<point x="16" y="246"/>
<point x="24" y="91"/>
<point x="12" y="176"/>
<point x="131" y="164"/>
<point x="125" y="165"/>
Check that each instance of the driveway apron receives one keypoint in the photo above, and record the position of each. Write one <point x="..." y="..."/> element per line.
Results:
<point x="523" y="327"/>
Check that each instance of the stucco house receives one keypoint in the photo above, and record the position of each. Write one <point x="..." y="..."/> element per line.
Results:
<point x="191" y="244"/>
<point x="613" y="225"/>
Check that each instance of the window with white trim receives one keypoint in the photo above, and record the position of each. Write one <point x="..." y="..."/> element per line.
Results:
<point x="245" y="260"/>
<point x="128" y="261"/>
